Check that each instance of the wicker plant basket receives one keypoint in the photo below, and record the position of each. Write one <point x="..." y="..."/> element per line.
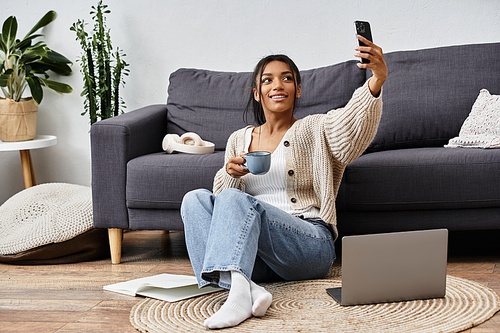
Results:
<point x="17" y="120"/>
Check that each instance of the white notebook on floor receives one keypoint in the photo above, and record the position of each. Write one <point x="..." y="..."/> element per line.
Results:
<point x="165" y="287"/>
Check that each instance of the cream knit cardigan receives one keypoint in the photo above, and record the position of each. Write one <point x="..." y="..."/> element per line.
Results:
<point x="317" y="149"/>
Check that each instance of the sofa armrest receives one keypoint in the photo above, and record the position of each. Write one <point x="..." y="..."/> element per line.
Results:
<point x="114" y="142"/>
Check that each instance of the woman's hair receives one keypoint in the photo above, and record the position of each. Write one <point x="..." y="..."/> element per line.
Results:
<point x="258" y="111"/>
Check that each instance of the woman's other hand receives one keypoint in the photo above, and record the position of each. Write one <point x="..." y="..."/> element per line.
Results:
<point x="377" y="64"/>
<point x="234" y="168"/>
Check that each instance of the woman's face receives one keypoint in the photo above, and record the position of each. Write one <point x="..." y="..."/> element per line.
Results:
<point x="278" y="91"/>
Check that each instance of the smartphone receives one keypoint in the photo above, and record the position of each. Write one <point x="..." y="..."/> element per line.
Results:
<point x="363" y="29"/>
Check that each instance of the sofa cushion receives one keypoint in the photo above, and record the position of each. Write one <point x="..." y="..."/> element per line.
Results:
<point x="44" y="214"/>
<point x="482" y="127"/>
<point x="429" y="93"/>
<point x="211" y="103"/>
<point x="50" y="224"/>
<point x="160" y="180"/>
<point x="422" y="178"/>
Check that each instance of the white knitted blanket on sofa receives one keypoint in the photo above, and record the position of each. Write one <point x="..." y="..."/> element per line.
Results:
<point x="44" y="214"/>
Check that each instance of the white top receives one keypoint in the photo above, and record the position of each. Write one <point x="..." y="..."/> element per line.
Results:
<point x="271" y="187"/>
<point x="40" y="141"/>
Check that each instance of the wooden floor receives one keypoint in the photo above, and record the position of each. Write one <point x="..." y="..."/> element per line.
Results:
<point x="69" y="298"/>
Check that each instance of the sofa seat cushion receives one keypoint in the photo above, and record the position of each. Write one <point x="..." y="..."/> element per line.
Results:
<point x="422" y="178"/>
<point x="160" y="180"/>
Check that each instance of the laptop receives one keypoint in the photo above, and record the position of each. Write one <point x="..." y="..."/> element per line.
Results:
<point x="392" y="267"/>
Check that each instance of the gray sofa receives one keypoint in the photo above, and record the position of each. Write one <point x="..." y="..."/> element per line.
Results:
<point x="406" y="179"/>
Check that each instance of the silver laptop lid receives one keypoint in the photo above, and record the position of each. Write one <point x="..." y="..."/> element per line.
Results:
<point x="392" y="267"/>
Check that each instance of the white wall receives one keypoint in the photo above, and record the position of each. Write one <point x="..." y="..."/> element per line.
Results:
<point x="160" y="36"/>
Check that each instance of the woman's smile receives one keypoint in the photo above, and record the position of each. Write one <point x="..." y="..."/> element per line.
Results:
<point x="278" y="97"/>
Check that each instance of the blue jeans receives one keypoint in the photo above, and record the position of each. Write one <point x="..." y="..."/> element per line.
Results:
<point x="235" y="231"/>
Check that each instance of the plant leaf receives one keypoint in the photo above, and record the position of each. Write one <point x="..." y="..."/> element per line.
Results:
<point x="59" y="87"/>
<point x="46" y="19"/>
<point x="43" y="65"/>
<point x="9" y="31"/>
<point x="26" y="42"/>
<point x="54" y="56"/>
<point x="4" y="80"/>
<point x="39" y="49"/>
<point x="35" y="88"/>
<point x="29" y="58"/>
<point x="3" y="47"/>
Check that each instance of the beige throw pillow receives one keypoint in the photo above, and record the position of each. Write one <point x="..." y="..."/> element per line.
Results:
<point x="481" y="129"/>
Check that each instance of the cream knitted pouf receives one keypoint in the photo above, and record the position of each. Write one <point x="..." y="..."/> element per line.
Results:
<point x="44" y="214"/>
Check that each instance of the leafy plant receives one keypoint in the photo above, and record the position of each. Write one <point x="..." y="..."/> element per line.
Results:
<point x="103" y="69"/>
<point x="23" y="63"/>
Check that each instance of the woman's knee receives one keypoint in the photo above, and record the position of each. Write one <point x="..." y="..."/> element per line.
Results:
<point x="231" y="195"/>
<point x="194" y="199"/>
<point x="195" y="196"/>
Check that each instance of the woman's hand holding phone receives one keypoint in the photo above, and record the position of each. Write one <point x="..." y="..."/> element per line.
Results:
<point x="373" y="59"/>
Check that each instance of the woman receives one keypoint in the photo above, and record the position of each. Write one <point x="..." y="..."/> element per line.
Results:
<point x="278" y="226"/>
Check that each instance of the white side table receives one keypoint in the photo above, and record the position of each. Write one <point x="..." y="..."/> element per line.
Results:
<point x="40" y="141"/>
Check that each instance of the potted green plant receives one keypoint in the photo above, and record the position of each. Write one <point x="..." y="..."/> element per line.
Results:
<point x="24" y="63"/>
<point x="102" y="67"/>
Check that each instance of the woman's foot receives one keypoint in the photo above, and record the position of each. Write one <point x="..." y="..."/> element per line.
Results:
<point x="261" y="299"/>
<point x="238" y="306"/>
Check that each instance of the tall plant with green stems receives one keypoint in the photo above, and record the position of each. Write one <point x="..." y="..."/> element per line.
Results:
<point x="102" y="67"/>
<point x="24" y="64"/>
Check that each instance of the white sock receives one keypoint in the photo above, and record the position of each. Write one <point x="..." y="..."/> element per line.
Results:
<point x="238" y="306"/>
<point x="261" y="299"/>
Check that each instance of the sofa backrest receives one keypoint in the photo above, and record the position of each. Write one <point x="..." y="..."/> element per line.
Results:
<point x="429" y="93"/>
<point x="211" y="103"/>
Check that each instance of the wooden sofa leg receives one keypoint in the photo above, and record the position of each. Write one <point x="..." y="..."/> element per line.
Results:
<point x="115" y="244"/>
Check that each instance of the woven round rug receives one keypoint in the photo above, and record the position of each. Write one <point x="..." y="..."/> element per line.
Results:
<point x="305" y="306"/>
